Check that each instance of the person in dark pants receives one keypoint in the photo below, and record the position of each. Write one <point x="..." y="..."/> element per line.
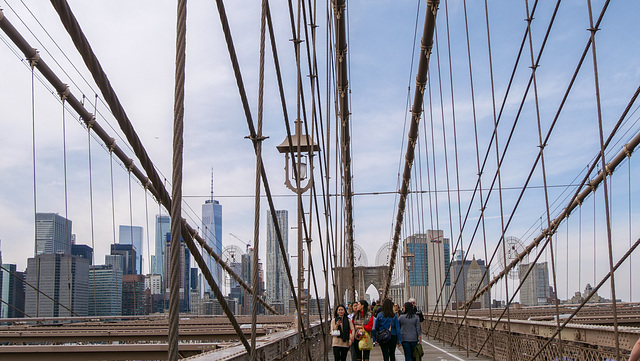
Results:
<point x="387" y="320"/>
<point x="410" y="330"/>
<point x="362" y="320"/>
<point x="342" y="332"/>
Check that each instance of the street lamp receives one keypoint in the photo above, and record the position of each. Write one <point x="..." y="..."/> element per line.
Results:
<point x="408" y="260"/>
<point x="299" y="146"/>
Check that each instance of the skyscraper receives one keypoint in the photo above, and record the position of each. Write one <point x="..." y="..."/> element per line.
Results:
<point x="185" y="272"/>
<point x="11" y="291"/>
<point x="468" y="280"/>
<point x="105" y="287"/>
<point x="63" y="277"/>
<point x="163" y="226"/>
<point x="212" y="234"/>
<point x="431" y="258"/>
<point x="535" y="288"/>
<point x="53" y="234"/>
<point x="133" y="235"/>
<point x="129" y="256"/>
<point x="278" y="289"/>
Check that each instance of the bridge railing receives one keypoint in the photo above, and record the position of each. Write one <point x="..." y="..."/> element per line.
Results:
<point x="281" y="345"/>
<point x="521" y="340"/>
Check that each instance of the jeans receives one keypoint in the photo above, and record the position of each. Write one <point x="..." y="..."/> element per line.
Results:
<point x="389" y="349"/>
<point x="353" y="349"/>
<point x="340" y="353"/>
<point x="408" y="349"/>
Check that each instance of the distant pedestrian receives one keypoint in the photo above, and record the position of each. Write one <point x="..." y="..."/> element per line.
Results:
<point x="396" y="309"/>
<point x="417" y="309"/>
<point x="387" y="321"/>
<point x="342" y="330"/>
<point x="410" y="330"/>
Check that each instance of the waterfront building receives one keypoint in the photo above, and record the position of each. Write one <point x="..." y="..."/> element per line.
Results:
<point x="534" y="290"/>
<point x="133" y="295"/>
<point x="163" y="226"/>
<point x="128" y="253"/>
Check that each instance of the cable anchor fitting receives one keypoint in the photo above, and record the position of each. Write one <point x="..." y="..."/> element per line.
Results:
<point x="64" y="94"/>
<point x="33" y="60"/>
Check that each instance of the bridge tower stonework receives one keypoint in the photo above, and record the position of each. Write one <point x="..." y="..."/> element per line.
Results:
<point x="364" y="277"/>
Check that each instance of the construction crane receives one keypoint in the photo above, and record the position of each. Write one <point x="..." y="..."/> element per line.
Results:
<point x="244" y="243"/>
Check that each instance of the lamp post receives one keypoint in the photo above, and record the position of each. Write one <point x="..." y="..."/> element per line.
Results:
<point x="297" y="149"/>
<point x="408" y="264"/>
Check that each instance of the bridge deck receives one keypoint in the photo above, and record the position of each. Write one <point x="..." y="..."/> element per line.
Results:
<point x="433" y="350"/>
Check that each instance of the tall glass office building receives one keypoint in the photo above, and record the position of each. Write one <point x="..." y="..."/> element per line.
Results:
<point x="431" y="258"/>
<point x="133" y="235"/>
<point x="53" y="234"/>
<point x="278" y="290"/>
<point x="105" y="287"/>
<point x="212" y="234"/>
<point x="163" y="226"/>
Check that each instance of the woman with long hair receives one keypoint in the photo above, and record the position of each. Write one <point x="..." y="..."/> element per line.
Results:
<point x="410" y="330"/>
<point x="362" y="320"/>
<point x="388" y="321"/>
<point x="342" y="332"/>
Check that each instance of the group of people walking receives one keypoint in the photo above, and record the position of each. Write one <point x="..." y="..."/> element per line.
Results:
<point x="353" y="330"/>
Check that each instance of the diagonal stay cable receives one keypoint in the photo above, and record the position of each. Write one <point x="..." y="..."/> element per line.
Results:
<point x="245" y="104"/>
<point x="80" y="41"/>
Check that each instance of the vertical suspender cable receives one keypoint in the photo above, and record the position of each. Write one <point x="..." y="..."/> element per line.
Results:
<point x="67" y="231"/>
<point x="93" y="246"/>
<point x="33" y="62"/>
<point x="606" y="173"/>
<point x="176" y="181"/>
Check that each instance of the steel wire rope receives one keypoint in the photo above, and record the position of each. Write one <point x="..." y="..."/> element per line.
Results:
<point x="404" y="126"/>
<point x="312" y="76"/>
<point x="95" y="304"/>
<point x="285" y="112"/>
<point x="161" y="194"/>
<point x="446" y="165"/>
<point x="33" y="155"/>
<point x="426" y="45"/>
<point x="541" y="145"/>
<point x="576" y="201"/>
<point x="593" y="31"/>
<point x="176" y="187"/>
<point x="593" y="292"/>
<point x="256" y="215"/>
<point x="67" y="231"/>
<point x="630" y="234"/>
<point x="56" y="62"/>
<point x="238" y="76"/>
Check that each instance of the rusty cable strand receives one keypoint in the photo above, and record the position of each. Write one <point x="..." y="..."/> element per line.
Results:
<point x="576" y="197"/>
<point x="426" y="45"/>
<point x="176" y="181"/>
<point x="607" y="211"/>
<point x="156" y="187"/>
<point x="543" y="167"/>
<point x="591" y="294"/>
<point x="256" y="219"/>
<point x="247" y="111"/>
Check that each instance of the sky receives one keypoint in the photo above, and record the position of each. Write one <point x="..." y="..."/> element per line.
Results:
<point x="135" y="43"/>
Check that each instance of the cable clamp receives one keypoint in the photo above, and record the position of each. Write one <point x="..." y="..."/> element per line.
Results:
<point x="34" y="59"/>
<point x="91" y="122"/>
<point x="627" y="151"/>
<point x="130" y="165"/>
<point x="256" y="138"/>
<point x="1" y="15"/>
<point x="111" y="145"/>
<point x="64" y="94"/>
